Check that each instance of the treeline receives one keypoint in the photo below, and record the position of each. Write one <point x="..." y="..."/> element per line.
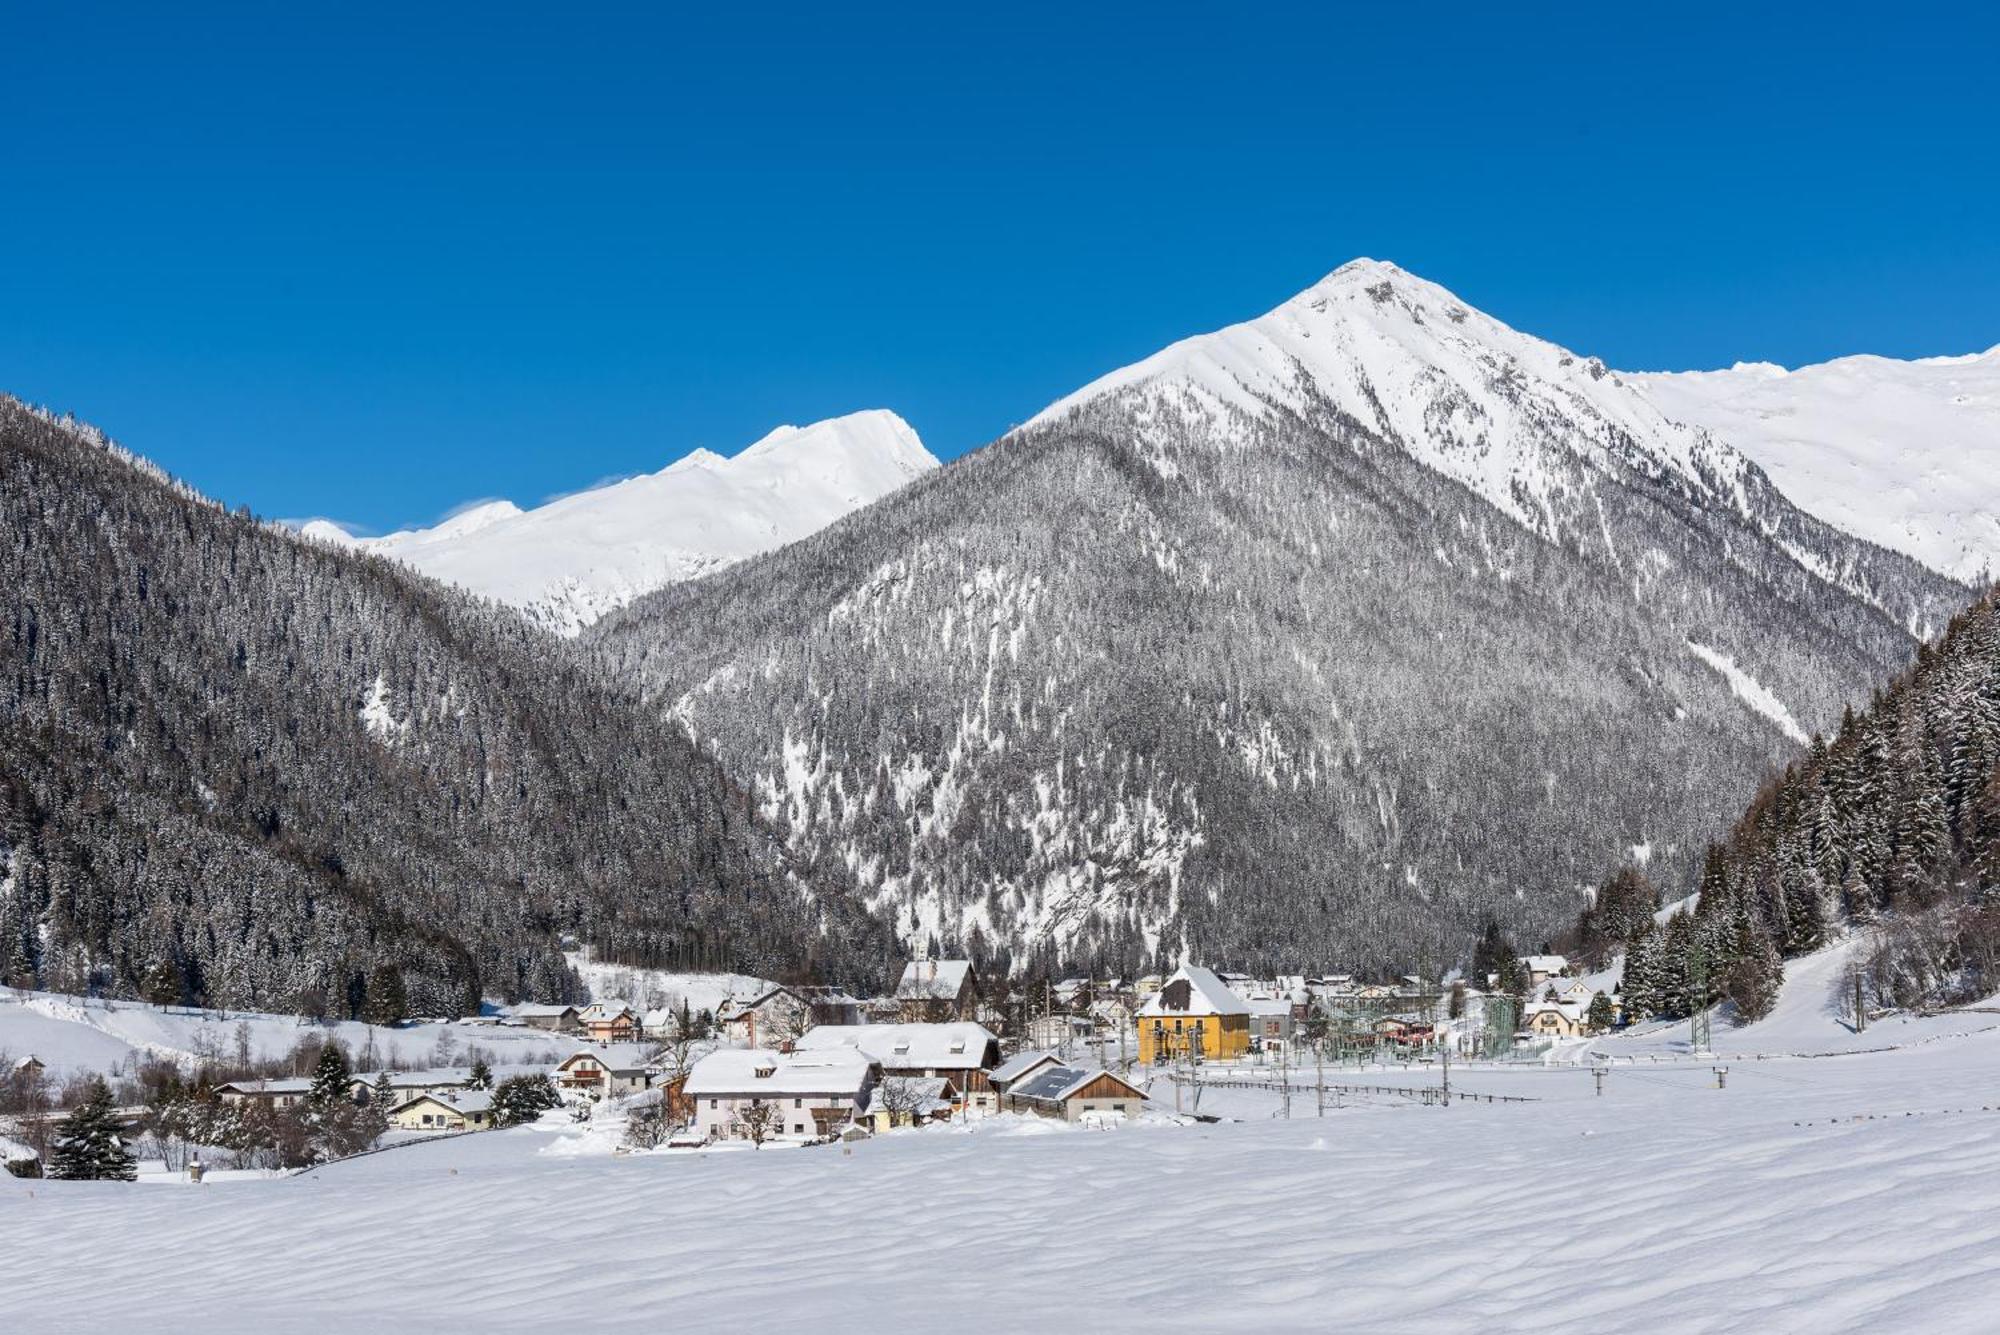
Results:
<point x="1895" y="820"/>
<point x="240" y="769"/>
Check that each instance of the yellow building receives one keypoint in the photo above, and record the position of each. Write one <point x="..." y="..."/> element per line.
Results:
<point x="1193" y="1014"/>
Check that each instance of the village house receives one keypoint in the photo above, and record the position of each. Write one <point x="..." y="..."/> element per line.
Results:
<point x="962" y="1051"/>
<point x="1071" y="1093"/>
<point x="610" y="1070"/>
<point x="465" y="1110"/>
<point x="769" y="1019"/>
<point x="29" y="1068"/>
<point x="1552" y="1019"/>
<point x="909" y="1100"/>
<point x="1193" y="1014"/>
<point x="1404" y="1032"/>
<point x="555" y="1019"/>
<point x="1568" y="991"/>
<point x="1270" y="1022"/>
<point x="609" y="1022"/>
<point x="831" y="1005"/>
<point x="754" y="1095"/>
<point x="406" y="1085"/>
<point x="270" y="1093"/>
<point x="1017" y="1068"/>
<point x="938" y="991"/>
<point x="1541" y="968"/>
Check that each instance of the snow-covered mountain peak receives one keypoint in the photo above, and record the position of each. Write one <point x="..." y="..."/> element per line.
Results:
<point x="1512" y="416"/>
<point x="572" y="560"/>
<point x="1903" y="453"/>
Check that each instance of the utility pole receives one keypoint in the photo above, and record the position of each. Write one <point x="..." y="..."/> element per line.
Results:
<point x="1698" y="1028"/>
<point x="1598" y="1072"/>
<point x="1860" y="1006"/>
<point x="1444" y="1050"/>
<point x="1721" y="1077"/>
<point x="1319" y="1074"/>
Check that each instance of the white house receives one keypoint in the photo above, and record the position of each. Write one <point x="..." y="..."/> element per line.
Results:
<point x="962" y="1051"/>
<point x="609" y="1070"/>
<point x="1541" y="968"/>
<point x="465" y="1110"/>
<point x="794" y="1095"/>
<point x="557" y="1018"/>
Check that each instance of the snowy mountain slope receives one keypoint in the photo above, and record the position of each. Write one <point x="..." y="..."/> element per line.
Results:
<point x="1306" y="642"/>
<point x="1903" y="453"/>
<point x="570" y="561"/>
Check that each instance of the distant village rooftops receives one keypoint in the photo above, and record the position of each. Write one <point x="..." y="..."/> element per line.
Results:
<point x="756" y="1072"/>
<point x="956" y="1045"/>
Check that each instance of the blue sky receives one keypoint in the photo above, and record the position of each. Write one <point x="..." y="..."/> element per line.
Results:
<point x="370" y="262"/>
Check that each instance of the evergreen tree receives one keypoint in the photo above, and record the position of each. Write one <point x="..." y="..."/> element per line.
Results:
<point x="163" y="983"/>
<point x="88" y="1145"/>
<point x="1600" y="1014"/>
<point x="384" y="1093"/>
<point x="386" y="1004"/>
<point x="481" y="1076"/>
<point x="331" y="1077"/>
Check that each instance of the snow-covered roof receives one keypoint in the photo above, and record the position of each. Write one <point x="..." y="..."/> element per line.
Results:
<point x="539" y="1010"/>
<point x="290" y="1085"/>
<point x="614" y="1056"/>
<point x="958" y="1044"/>
<point x="1019" y="1065"/>
<point x="1204" y="995"/>
<point x="437" y="1076"/>
<point x="471" y="1102"/>
<point x="1544" y="963"/>
<point x="760" y="1073"/>
<point x="1268" y="1006"/>
<point x="933" y="980"/>
<point x="607" y="1010"/>
<point x="911" y="1093"/>
<point x="13" y="1150"/>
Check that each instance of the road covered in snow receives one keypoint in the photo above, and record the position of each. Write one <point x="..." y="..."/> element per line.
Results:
<point x="1843" y="1193"/>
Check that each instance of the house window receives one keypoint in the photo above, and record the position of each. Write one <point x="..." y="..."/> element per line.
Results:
<point x="713" y="1104"/>
<point x="1118" y="1107"/>
<point x="798" y="1103"/>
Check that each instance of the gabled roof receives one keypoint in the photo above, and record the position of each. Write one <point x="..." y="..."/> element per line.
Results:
<point x="933" y="980"/>
<point x="620" y="1057"/>
<point x="911" y="1093"/>
<point x="607" y="1010"/>
<point x="956" y="1045"/>
<point x="470" y="1102"/>
<point x="1060" y="1082"/>
<point x="1204" y="994"/>
<point x="290" y="1085"/>
<point x="757" y="1072"/>
<point x="1544" y="963"/>
<point x="1020" y="1064"/>
<point x="540" y="1010"/>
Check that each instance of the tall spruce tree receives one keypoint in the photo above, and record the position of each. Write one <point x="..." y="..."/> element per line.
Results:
<point x="89" y="1146"/>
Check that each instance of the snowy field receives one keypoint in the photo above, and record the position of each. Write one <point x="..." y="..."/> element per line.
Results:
<point x="1852" y="1192"/>
<point x="71" y="1034"/>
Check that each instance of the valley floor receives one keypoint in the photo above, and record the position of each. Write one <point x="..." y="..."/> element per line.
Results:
<point x="1842" y="1193"/>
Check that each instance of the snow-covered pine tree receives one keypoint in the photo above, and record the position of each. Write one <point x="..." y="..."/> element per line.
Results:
<point x="331" y="1077"/>
<point x="89" y="1147"/>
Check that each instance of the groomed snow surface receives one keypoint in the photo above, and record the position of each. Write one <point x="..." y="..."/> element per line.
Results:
<point x="1812" y="1194"/>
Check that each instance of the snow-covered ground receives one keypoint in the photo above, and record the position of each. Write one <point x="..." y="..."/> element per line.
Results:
<point x="1840" y="1193"/>
<point x="648" y="988"/>
<point x="72" y="1034"/>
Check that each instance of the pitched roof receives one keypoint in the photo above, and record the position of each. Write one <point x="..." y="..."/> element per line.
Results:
<point x="755" y="1071"/>
<point x="607" y="1010"/>
<point x="471" y="1102"/>
<point x="1019" y="1065"/>
<point x="290" y="1085"/>
<point x="911" y="1093"/>
<point x="933" y="980"/>
<point x="614" y="1056"/>
<point x="1204" y="995"/>
<point x="958" y="1044"/>
<point x="539" y="1009"/>
<point x="1545" y="963"/>
<point x="1058" y="1083"/>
